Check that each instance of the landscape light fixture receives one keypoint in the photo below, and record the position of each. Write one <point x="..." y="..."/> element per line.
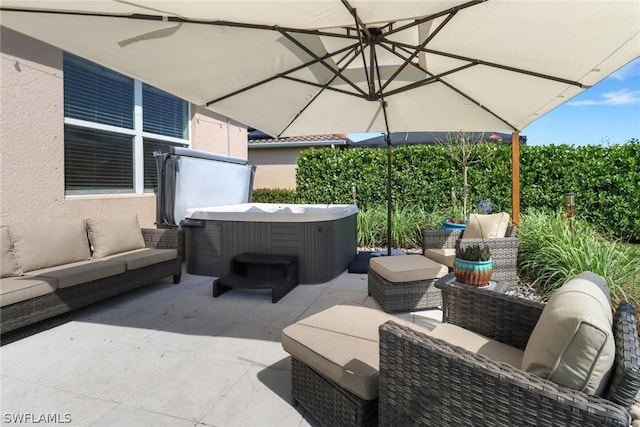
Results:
<point x="569" y="199"/>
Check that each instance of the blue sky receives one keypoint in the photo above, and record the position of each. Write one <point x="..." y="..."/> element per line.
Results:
<point x="607" y="113"/>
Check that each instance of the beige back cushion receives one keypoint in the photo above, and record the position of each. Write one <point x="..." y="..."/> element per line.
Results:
<point x="113" y="235"/>
<point x="486" y="226"/>
<point x="46" y="244"/>
<point x="572" y="344"/>
<point x="8" y="265"/>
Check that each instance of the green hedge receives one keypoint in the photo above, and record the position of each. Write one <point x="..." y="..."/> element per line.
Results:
<point x="275" y="195"/>
<point x="606" y="180"/>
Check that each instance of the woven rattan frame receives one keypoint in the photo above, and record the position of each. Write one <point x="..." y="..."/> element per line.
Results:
<point x="504" y="251"/>
<point x="329" y="403"/>
<point x="426" y="381"/>
<point x="27" y="312"/>
<point x="400" y="296"/>
<point x="625" y="377"/>
<point x="502" y="317"/>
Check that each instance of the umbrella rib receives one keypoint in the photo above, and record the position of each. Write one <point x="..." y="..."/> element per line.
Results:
<point x="321" y="86"/>
<point x="406" y="48"/>
<point x="359" y="23"/>
<point x="433" y="79"/>
<point x="476" y="61"/>
<point x="166" y="18"/>
<point x="461" y="93"/>
<point x="326" y="86"/>
<point x="279" y="75"/>
<point x="438" y="78"/>
<point x="322" y="61"/>
<point x="508" y="68"/>
<point x="417" y="50"/>
<point x="436" y="15"/>
<point x="362" y="28"/>
<point x="362" y="47"/>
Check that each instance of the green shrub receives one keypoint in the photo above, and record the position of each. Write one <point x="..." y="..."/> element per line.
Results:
<point x="550" y="254"/>
<point x="606" y="180"/>
<point x="274" y="195"/>
<point x="406" y="226"/>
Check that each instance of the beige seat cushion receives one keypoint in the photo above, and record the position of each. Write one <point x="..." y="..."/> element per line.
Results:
<point x="143" y="257"/>
<point x="407" y="268"/>
<point x="8" y="264"/>
<point x="478" y="344"/>
<point x="572" y="344"/>
<point x="39" y="245"/>
<point x="79" y="272"/>
<point x="18" y="289"/>
<point x="486" y="226"/>
<point x="441" y="256"/>
<point x="341" y="343"/>
<point x="113" y="235"/>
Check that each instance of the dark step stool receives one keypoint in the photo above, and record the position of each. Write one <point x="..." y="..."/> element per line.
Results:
<point x="260" y="271"/>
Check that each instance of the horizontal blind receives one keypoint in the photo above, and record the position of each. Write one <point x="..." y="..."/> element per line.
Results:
<point x="96" y="94"/>
<point x="163" y="113"/>
<point x="97" y="160"/>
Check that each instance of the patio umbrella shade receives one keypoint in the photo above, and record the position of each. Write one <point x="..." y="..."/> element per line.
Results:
<point x="326" y="66"/>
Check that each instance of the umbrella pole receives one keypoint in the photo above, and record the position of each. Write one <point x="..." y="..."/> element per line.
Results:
<point x="389" y="197"/>
<point x="515" y="177"/>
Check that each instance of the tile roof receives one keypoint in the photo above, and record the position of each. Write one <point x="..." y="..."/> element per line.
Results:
<point x="303" y="138"/>
<point x="304" y="141"/>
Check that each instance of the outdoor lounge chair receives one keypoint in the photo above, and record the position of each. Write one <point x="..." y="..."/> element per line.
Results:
<point x="440" y="246"/>
<point x="425" y="380"/>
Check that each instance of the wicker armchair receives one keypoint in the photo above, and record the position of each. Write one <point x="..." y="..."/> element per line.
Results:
<point x="504" y="251"/>
<point x="426" y="381"/>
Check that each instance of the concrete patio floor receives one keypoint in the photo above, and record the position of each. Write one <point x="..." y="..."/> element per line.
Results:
<point x="170" y="355"/>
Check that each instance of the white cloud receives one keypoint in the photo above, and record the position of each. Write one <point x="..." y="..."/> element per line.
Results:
<point x="630" y="70"/>
<point x="618" y="97"/>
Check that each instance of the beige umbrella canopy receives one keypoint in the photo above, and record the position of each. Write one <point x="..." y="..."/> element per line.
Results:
<point x="324" y="66"/>
<point x="311" y="67"/>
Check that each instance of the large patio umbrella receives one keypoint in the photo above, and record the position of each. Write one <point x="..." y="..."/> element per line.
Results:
<point x="325" y="66"/>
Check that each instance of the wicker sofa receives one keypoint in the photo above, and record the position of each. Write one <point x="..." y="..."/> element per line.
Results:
<point x="424" y="380"/>
<point x="440" y="246"/>
<point x="53" y="267"/>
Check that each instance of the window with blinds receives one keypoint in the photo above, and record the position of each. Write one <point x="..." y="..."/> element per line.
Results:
<point x="97" y="161"/>
<point x="96" y="94"/>
<point x="163" y="113"/>
<point x="102" y="135"/>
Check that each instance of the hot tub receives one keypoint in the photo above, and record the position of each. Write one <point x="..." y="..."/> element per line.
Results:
<point x="208" y="196"/>
<point x="323" y="237"/>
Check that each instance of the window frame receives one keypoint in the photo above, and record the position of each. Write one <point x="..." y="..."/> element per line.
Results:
<point x="138" y="136"/>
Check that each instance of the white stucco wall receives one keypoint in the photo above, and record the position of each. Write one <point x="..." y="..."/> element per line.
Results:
<point x="215" y="133"/>
<point x="32" y="140"/>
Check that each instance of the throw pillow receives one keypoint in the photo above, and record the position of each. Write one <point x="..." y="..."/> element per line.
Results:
<point x="486" y="226"/>
<point x="39" y="245"/>
<point x="8" y="265"/>
<point x="113" y="235"/>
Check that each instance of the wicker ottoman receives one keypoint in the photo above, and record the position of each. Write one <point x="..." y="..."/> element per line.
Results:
<point x="334" y="363"/>
<point x="405" y="282"/>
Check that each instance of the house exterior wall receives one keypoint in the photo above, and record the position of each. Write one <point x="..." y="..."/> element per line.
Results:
<point x="275" y="167"/>
<point x="215" y="133"/>
<point x="32" y="140"/>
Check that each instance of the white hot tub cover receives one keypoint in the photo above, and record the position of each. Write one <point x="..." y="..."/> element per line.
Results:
<point x="191" y="178"/>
